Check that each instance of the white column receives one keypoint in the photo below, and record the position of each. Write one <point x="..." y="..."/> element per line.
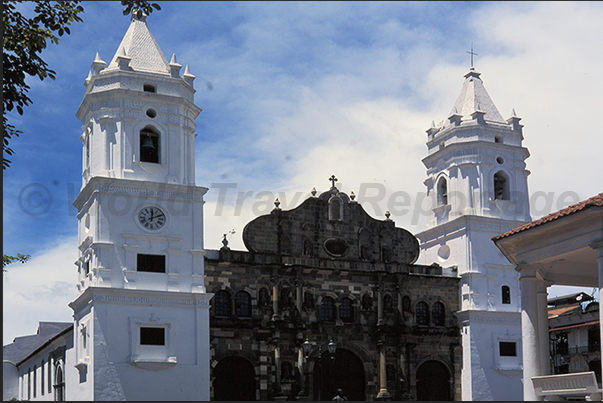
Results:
<point x="543" y="328"/>
<point x="529" y="331"/>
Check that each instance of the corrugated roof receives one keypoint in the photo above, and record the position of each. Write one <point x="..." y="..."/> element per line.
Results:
<point x="595" y="201"/>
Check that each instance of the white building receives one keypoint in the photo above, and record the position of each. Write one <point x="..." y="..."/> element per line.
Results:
<point x="477" y="182"/>
<point x="141" y="329"/>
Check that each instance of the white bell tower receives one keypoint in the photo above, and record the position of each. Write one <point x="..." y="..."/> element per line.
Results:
<point x="142" y="313"/>
<point x="477" y="183"/>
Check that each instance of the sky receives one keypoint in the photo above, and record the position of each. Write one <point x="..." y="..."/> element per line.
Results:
<point x="294" y="92"/>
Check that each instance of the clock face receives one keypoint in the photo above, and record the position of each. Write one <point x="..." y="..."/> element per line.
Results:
<point x="151" y="217"/>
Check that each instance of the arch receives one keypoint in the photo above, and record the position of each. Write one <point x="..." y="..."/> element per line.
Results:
<point x="501" y="186"/>
<point x="35" y="381"/>
<point x="149" y="87"/>
<point x="59" y="383"/>
<point x="345" y="371"/>
<point x="264" y="297"/>
<point x="505" y="292"/>
<point x="327" y="309"/>
<point x="442" y="191"/>
<point x="42" y="378"/>
<point x="406" y="304"/>
<point x="433" y="381"/>
<point x="498" y="139"/>
<point x="150" y="145"/>
<point x="243" y="304"/>
<point x="234" y="368"/>
<point x="422" y="313"/>
<point x="438" y="314"/>
<point x="221" y="303"/>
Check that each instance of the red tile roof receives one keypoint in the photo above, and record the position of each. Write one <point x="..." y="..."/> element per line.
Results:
<point x="595" y="201"/>
<point x="564" y="309"/>
<point x="594" y="322"/>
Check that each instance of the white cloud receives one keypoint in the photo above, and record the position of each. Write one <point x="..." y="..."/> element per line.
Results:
<point x="39" y="290"/>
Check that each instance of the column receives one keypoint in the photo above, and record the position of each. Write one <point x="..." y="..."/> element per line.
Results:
<point x="543" y="328"/>
<point x="383" y="393"/>
<point x="379" y="306"/>
<point x="276" y="314"/>
<point x="529" y="331"/>
<point x="277" y="375"/>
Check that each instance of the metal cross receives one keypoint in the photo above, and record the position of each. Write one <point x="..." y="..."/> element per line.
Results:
<point x="333" y="179"/>
<point x="472" y="54"/>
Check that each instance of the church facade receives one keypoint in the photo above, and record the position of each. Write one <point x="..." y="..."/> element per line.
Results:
<point x="325" y="298"/>
<point x="477" y="183"/>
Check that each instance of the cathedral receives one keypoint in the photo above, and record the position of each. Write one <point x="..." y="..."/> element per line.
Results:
<point x="325" y="297"/>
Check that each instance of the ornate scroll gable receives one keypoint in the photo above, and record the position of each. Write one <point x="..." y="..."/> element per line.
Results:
<point x="330" y="226"/>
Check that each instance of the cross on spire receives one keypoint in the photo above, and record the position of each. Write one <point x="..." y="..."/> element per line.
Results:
<point x="472" y="54"/>
<point x="333" y="179"/>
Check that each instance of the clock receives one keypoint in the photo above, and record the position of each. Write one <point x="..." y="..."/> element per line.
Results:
<point x="151" y="218"/>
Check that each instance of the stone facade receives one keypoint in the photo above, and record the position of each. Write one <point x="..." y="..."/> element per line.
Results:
<point x="326" y="271"/>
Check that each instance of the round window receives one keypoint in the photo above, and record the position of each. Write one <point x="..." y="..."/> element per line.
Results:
<point x="336" y="246"/>
<point x="151" y="113"/>
<point x="500" y="160"/>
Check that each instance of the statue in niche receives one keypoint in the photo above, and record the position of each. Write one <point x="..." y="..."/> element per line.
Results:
<point x="308" y="300"/>
<point x="264" y="299"/>
<point x="308" y="248"/>
<point x="286" y="300"/>
<point x="387" y="303"/>
<point x="367" y="302"/>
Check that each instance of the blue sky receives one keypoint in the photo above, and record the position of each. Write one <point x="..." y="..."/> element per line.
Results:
<point x="293" y="92"/>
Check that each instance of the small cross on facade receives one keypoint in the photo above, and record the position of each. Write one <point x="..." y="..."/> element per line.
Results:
<point x="333" y="179"/>
<point x="472" y="54"/>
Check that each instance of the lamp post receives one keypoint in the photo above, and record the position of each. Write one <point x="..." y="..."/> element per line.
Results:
<point x="306" y="348"/>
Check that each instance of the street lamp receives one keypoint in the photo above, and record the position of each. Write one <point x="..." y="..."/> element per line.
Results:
<point x="306" y="347"/>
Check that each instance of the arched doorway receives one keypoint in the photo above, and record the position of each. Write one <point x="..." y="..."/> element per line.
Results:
<point x="433" y="382"/>
<point x="234" y="371"/>
<point x="346" y="371"/>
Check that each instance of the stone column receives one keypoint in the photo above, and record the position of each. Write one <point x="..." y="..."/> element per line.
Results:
<point x="299" y="294"/>
<point x="383" y="393"/>
<point x="277" y="375"/>
<point x="529" y="331"/>
<point x="379" y="306"/>
<point x="543" y="328"/>
<point x="276" y="314"/>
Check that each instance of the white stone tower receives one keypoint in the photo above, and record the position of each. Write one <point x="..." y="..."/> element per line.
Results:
<point x="142" y="313"/>
<point x="477" y="182"/>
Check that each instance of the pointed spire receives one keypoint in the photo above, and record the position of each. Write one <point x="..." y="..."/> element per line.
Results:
<point x="140" y="46"/>
<point x="474" y="97"/>
<point x="88" y="79"/>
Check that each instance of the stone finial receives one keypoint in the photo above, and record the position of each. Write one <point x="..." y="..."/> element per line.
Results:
<point x="175" y="67"/>
<point x="352" y="196"/>
<point x="277" y="203"/>
<point x="225" y="242"/>
<point x="88" y="79"/>
<point x="188" y="77"/>
<point x="387" y="215"/>
<point x="123" y="61"/>
<point x="98" y="64"/>
<point x="313" y="191"/>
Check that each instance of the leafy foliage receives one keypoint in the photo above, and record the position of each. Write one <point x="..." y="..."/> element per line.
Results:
<point x="6" y="259"/>
<point x="25" y="39"/>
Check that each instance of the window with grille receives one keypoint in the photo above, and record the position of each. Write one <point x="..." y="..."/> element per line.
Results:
<point x="438" y="315"/>
<point x="422" y="314"/>
<point x="243" y="305"/>
<point x="221" y="303"/>
<point x="346" y="310"/>
<point x="327" y="309"/>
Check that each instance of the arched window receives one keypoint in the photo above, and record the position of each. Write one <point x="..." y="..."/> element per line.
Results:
<point x="438" y="314"/>
<point x="243" y="304"/>
<point x="498" y="139"/>
<point x="327" y="309"/>
<point x="422" y="314"/>
<point x="222" y="303"/>
<point x="149" y="87"/>
<point x="149" y="145"/>
<point x="346" y="310"/>
<point x="42" y="378"/>
<point x="501" y="186"/>
<point x="442" y="192"/>
<point x="59" y="386"/>
<point x="49" y="370"/>
<point x="29" y="384"/>
<point x="35" y="381"/>
<point x="335" y="209"/>
<point x="506" y="294"/>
